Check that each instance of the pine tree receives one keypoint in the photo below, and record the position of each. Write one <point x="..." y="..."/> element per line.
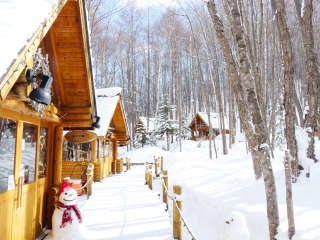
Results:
<point x="141" y="134"/>
<point x="166" y="126"/>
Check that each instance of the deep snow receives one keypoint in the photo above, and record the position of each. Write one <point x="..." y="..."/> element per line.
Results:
<point x="221" y="198"/>
<point x="223" y="189"/>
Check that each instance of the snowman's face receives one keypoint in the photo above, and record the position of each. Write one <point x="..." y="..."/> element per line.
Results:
<point x="68" y="197"/>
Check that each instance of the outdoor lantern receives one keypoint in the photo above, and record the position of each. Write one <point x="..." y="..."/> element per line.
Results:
<point x="96" y="123"/>
<point x="42" y="94"/>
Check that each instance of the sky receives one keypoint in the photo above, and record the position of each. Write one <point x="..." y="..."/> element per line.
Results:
<point x="153" y="3"/>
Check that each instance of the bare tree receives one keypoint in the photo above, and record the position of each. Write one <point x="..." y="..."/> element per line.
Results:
<point x="287" y="58"/>
<point x="250" y="114"/>
<point x="304" y="14"/>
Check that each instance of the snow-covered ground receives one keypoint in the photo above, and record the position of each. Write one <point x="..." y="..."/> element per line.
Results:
<point x="221" y="198"/>
<point x="123" y="208"/>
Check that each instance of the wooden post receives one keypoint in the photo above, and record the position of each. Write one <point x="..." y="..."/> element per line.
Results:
<point x="161" y="163"/>
<point x="177" y="227"/>
<point x="58" y="156"/>
<point x="150" y="176"/>
<point x="156" y="167"/>
<point x="90" y="173"/>
<point x="94" y="151"/>
<point x="165" y="186"/>
<point x="146" y="173"/>
<point x="114" y="152"/>
<point x="287" y="168"/>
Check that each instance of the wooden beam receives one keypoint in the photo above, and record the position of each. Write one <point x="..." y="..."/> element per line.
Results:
<point x="86" y="54"/>
<point x="77" y="116"/>
<point x="77" y="124"/>
<point x="20" y="110"/>
<point x="75" y="110"/>
<point x="58" y="156"/>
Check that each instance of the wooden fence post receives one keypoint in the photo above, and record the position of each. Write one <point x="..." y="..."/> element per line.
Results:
<point x="150" y="176"/>
<point x="161" y="163"/>
<point x="90" y="173"/>
<point x="127" y="164"/>
<point x="164" y="187"/>
<point x="177" y="227"/>
<point x="146" y="172"/>
<point x="156" y="165"/>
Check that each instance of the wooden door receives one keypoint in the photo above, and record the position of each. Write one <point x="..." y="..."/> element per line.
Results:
<point x="26" y="181"/>
<point x="42" y="179"/>
<point x="23" y="177"/>
<point x="8" y="133"/>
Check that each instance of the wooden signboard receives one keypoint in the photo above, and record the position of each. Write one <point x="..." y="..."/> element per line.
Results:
<point x="80" y="136"/>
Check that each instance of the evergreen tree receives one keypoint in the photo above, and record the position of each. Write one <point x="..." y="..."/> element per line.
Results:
<point x="166" y="125"/>
<point x="141" y="134"/>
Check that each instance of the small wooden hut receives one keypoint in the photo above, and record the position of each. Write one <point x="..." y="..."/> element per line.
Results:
<point x="113" y="131"/>
<point x="40" y="97"/>
<point x="200" y="126"/>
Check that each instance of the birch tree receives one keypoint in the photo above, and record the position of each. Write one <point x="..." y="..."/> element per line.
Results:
<point x="250" y="114"/>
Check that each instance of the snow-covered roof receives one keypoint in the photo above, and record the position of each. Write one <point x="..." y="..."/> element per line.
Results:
<point x="214" y="118"/>
<point x="106" y="101"/>
<point x="152" y="123"/>
<point x="19" y="21"/>
<point x="108" y="92"/>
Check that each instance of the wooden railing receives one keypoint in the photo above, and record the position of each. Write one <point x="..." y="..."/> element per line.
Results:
<point x="179" y="221"/>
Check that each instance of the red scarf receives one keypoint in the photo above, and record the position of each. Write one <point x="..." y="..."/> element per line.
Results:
<point x="66" y="217"/>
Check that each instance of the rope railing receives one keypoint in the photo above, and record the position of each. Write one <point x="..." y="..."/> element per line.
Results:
<point x="179" y="221"/>
<point x="173" y="197"/>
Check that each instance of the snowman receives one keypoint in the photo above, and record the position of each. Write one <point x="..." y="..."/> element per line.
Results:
<point x="66" y="219"/>
<point x="236" y="227"/>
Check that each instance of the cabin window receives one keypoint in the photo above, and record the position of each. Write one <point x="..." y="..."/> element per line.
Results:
<point x="28" y="152"/>
<point x="77" y="151"/>
<point x="7" y="153"/>
<point x="84" y="151"/>
<point x="43" y="145"/>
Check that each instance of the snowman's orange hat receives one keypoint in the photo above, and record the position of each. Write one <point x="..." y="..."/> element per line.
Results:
<point x="64" y="186"/>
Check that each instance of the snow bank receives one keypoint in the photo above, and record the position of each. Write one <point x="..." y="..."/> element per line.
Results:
<point x="222" y="200"/>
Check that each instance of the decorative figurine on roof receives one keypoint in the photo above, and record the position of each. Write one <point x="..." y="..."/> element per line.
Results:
<point x="66" y="219"/>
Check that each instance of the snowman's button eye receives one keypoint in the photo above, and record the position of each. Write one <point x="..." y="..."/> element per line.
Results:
<point x="65" y="193"/>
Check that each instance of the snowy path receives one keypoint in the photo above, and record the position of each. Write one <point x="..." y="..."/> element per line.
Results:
<point x="123" y="208"/>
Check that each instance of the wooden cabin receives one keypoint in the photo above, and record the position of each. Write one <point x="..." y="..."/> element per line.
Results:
<point x="40" y="97"/>
<point x="200" y="126"/>
<point x="113" y="131"/>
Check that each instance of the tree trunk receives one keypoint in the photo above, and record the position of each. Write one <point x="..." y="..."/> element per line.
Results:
<point x="287" y="58"/>
<point x="305" y="18"/>
<point x="290" y="213"/>
<point x="248" y="106"/>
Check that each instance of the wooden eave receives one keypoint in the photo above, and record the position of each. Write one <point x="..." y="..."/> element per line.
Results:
<point x="119" y="124"/>
<point x="19" y="64"/>
<point x="64" y="37"/>
<point x="67" y="43"/>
